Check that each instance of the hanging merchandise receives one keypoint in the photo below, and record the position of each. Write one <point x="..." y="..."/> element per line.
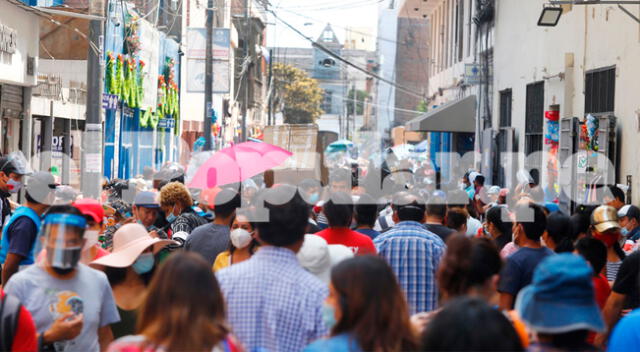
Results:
<point x="553" y="133"/>
<point x="131" y="39"/>
<point x="590" y="133"/>
<point x="110" y="74"/>
<point x="168" y="94"/>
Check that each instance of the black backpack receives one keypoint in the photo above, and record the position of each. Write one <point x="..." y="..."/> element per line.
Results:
<point x="9" y="315"/>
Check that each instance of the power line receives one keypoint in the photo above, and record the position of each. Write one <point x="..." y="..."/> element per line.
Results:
<point x="340" y="58"/>
<point x="348" y="28"/>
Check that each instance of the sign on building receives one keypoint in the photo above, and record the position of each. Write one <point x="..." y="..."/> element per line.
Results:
<point x="473" y="73"/>
<point x="196" y="41"/>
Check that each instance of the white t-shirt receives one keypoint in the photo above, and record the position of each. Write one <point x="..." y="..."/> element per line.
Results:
<point x="47" y="298"/>
<point x="473" y="225"/>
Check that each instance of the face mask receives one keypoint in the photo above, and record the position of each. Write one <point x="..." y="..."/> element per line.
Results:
<point x="14" y="186"/>
<point x="607" y="239"/>
<point x="171" y="217"/>
<point x="624" y="231"/>
<point x="314" y="197"/>
<point x="461" y="186"/>
<point x="240" y="238"/>
<point x="144" y="263"/>
<point x="91" y="239"/>
<point x="328" y="316"/>
<point x="65" y="259"/>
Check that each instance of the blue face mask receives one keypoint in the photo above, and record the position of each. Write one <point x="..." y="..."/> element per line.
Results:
<point x="328" y="316"/>
<point x="624" y="231"/>
<point x="144" y="263"/>
<point x="171" y="217"/>
<point x="314" y="197"/>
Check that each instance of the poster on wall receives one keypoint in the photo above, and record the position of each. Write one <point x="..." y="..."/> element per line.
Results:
<point x="196" y="75"/>
<point x="197" y="41"/>
<point x="149" y="54"/>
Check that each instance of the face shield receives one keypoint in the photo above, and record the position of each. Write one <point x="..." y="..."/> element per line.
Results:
<point x="63" y="239"/>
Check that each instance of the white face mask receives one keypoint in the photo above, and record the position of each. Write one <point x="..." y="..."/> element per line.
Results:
<point x="91" y="237"/>
<point x="14" y="186"/>
<point x="240" y="238"/>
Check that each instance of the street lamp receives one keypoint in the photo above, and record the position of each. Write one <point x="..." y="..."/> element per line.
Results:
<point x="549" y="16"/>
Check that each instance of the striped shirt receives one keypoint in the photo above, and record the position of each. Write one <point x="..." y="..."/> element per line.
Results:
<point x="414" y="255"/>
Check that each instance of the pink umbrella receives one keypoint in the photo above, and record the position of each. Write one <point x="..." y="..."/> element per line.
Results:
<point x="238" y="163"/>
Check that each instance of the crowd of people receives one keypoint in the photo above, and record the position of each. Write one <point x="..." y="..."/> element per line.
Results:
<point x="331" y="267"/>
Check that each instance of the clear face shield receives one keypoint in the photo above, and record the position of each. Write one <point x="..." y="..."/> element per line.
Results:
<point x="62" y="236"/>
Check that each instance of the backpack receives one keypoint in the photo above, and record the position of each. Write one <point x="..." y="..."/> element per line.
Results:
<point x="9" y="314"/>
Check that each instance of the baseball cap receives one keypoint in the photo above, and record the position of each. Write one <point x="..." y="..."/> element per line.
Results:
<point x="146" y="199"/>
<point x="630" y="211"/>
<point x="605" y="218"/>
<point x="560" y="298"/>
<point x="15" y="163"/>
<point x="40" y="185"/>
<point x="91" y="208"/>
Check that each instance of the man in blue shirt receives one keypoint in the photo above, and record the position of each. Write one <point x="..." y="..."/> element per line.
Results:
<point x="629" y="217"/>
<point x="21" y="231"/>
<point x="530" y="223"/>
<point x="412" y="252"/>
<point x="273" y="303"/>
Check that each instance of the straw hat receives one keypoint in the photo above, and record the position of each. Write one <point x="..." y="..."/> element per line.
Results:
<point x="128" y="243"/>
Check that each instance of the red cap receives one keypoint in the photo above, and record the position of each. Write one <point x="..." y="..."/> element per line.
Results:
<point x="90" y="207"/>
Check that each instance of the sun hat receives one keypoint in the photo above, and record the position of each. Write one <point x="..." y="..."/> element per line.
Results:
<point x="630" y="211"/>
<point x="128" y="243"/>
<point x="561" y="297"/>
<point x="146" y="199"/>
<point x="318" y="257"/>
<point x="605" y="218"/>
<point x="90" y="207"/>
<point x="494" y="190"/>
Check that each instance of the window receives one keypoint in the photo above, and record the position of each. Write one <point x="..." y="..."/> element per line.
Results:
<point x="534" y="123"/>
<point x="326" y="105"/>
<point x="599" y="90"/>
<point x="505" y="108"/>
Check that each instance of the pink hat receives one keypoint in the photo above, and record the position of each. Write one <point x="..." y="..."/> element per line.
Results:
<point x="128" y="243"/>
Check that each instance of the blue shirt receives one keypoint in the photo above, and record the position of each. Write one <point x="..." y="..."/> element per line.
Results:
<point x="626" y="334"/>
<point x="414" y="255"/>
<point x="273" y="303"/>
<point x="371" y="233"/>
<point x="339" y="343"/>
<point x="518" y="271"/>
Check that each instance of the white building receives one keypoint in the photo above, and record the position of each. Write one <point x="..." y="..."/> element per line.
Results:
<point x="460" y="42"/>
<point x="19" y="49"/>
<point x="588" y="63"/>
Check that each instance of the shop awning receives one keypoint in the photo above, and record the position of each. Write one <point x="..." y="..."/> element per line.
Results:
<point x="456" y="116"/>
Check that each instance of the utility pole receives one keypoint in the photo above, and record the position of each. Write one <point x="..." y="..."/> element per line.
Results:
<point x="355" y="106"/>
<point x="245" y="56"/>
<point x="208" y="78"/>
<point x="271" y="89"/>
<point x="92" y="152"/>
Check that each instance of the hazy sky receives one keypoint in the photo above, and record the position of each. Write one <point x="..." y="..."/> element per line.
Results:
<point x="311" y="16"/>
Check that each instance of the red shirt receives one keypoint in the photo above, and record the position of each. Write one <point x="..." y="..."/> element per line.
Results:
<point x="25" y="338"/>
<point x="602" y="290"/>
<point x="360" y="244"/>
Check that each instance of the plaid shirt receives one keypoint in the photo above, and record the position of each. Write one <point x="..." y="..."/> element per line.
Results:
<point x="414" y="255"/>
<point x="273" y="303"/>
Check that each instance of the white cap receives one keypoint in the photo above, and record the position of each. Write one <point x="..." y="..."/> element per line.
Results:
<point x="318" y="257"/>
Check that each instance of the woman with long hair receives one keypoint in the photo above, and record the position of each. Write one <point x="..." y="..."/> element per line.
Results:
<point x="365" y="310"/>
<point x="183" y="311"/>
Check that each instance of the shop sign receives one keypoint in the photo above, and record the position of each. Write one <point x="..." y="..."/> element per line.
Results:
<point x="109" y="101"/>
<point x="8" y="39"/>
<point x="166" y="123"/>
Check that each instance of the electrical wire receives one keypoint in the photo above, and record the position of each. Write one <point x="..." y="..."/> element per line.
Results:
<point x="340" y="58"/>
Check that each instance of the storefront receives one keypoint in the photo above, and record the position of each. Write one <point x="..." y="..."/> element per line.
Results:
<point x="141" y="98"/>
<point x="19" y="38"/>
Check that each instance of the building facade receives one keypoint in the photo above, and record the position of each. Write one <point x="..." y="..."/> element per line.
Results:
<point x="546" y="90"/>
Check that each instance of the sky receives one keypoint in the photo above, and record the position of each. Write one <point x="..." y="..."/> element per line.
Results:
<point x="311" y="16"/>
